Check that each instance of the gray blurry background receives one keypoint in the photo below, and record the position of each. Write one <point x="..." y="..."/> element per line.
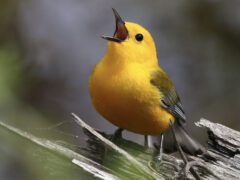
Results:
<point x="49" y="48"/>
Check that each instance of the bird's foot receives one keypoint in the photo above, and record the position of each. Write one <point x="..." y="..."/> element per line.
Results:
<point x="158" y="161"/>
<point x="116" y="135"/>
<point x="159" y="164"/>
<point x="188" y="167"/>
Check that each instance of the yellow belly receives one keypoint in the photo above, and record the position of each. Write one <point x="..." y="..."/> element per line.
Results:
<point x="128" y="100"/>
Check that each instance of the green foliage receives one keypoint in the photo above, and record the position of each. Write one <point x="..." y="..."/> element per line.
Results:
<point x="10" y="77"/>
<point x="36" y="161"/>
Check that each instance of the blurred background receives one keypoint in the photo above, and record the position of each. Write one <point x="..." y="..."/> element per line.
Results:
<point x="49" y="48"/>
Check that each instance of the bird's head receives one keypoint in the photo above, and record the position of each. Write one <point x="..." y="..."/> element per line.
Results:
<point x="131" y="43"/>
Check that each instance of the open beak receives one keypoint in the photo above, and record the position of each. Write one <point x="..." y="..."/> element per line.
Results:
<point x="121" y="32"/>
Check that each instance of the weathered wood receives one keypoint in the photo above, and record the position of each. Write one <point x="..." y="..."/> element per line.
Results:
<point x="128" y="160"/>
<point x="221" y="161"/>
<point x="139" y="166"/>
<point x="224" y="146"/>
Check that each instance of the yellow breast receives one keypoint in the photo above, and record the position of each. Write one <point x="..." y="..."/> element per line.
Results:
<point x="126" y="98"/>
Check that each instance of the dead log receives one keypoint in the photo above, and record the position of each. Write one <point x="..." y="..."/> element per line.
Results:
<point x="222" y="159"/>
<point x="128" y="160"/>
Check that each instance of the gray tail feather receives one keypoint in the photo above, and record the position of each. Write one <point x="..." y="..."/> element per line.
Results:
<point x="188" y="144"/>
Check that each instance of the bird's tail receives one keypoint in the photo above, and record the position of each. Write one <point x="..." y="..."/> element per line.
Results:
<point x="188" y="144"/>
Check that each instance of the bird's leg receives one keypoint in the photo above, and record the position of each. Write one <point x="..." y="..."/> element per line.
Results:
<point x="146" y="143"/>
<point x="188" y="165"/>
<point x="159" y="164"/>
<point x="117" y="134"/>
<point x="160" y="154"/>
<point x="161" y="147"/>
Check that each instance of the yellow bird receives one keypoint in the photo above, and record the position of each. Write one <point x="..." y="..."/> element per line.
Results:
<point x="130" y="89"/>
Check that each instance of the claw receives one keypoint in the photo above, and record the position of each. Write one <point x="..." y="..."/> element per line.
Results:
<point x="117" y="135"/>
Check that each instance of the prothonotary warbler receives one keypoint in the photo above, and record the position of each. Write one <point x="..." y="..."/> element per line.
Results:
<point x="131" y="90"/>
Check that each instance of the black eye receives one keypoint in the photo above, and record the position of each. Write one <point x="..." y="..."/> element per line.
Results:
<point x="139" y="37"/>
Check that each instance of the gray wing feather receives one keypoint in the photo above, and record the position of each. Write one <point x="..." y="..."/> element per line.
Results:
<point x="171" y="101"/>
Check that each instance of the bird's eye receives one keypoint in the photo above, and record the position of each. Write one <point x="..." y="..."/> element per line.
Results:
<point x="139" y="37"/>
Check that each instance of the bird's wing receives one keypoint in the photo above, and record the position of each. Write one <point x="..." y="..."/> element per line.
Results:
<point x="170" y="100"/>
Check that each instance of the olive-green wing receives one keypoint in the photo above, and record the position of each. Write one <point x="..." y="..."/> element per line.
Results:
<point x="170" y="101"/>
